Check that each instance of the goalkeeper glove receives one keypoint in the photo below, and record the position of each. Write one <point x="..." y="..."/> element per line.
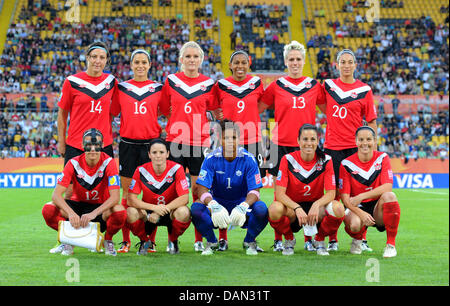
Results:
<point x="238" y="214"/>
<point x="219" y="214"/>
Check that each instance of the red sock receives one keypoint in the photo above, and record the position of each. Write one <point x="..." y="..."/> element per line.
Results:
<point x="178" y="229"/>
<point x="223" y="233"/>
<point x="125" y="228"/>
<point x="282" y="226"/>
<point x="52" y="216"/>
<point x="356" y="235"/>
<point x="138" y="229"/>
<point x="114" y="223"/>
<point x="391" y="219"/>
<point x="198" y="236"/>
<point x="278" y="236"/>
<point x="364" y="235"/>
<point x="152" y="235"/>
<point x="328" y="226"/>
<point x="333" y="237"/>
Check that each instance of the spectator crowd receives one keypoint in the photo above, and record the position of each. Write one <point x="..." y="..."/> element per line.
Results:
<point x="35" y="62"/>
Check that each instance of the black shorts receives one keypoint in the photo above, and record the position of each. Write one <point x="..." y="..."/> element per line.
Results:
<point x="72" y="152"/>
<point x="132" y="154"/>
<point x="337" y="156"/>
<point x="190" y="157"/>
<point x="258" y="152"/>
<point x="369" y="208"/>
<point x="306" y="206"/>
<point x="276" y="152"/>
<point x="163" y="221"/>
<point x="81" y="208"/>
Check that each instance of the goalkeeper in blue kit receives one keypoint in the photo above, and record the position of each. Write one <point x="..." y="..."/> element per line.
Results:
<point x="228" y="189"/>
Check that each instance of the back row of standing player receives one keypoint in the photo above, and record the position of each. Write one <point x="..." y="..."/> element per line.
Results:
<point x="93" y="97"/>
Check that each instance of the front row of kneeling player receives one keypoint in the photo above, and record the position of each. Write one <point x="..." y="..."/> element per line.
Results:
<point x="228" y="193"/>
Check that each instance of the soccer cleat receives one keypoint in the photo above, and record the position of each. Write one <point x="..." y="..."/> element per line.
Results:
<point x="333" y="246"/>
<point x="67" y="250"/>
<point x="258" y="249"/>
<point x="278" y="246"/>
<point x="355" y="247"/>
<point x="124" y="247"/>
<point x="251" y="248"/>
<point x="389" y="251"/>
<point x="143" y="247"/>
<point x="365" y="246"/>
<point x="288" y="247"/>
<point x="210" y="247"/>
<point x="173" y="247"/>
<point x="152" y="247"/>
<point x="223" y="245"/>
<point x="109" y="248"/>
<point x="320" y="248"/>
<point x="198" y="246"/>
<point x="309" y="246"/>
<point x="58" y="248"/>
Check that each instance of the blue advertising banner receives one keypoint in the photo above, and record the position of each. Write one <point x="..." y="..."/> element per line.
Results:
<point x="421" y="180"/>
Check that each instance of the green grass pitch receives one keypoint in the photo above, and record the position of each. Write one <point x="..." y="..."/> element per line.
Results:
<point x="422" y="244"/>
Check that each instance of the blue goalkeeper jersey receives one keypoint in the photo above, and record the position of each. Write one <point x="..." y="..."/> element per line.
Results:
<point x="230" y="182"/>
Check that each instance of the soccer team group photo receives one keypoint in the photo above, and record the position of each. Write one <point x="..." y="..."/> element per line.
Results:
<point x="188" y="135"/>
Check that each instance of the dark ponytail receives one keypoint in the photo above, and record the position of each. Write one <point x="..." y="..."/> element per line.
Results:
<point x="320" y="154"/>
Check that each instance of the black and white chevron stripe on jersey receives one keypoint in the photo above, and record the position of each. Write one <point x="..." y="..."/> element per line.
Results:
<point x="303" y="175"/>
<point x="296" y="90"/>
<point x="93" y="91"/>
<point x="189" y="92"/>
<point x="89" y="182"/>
<point x="139" y="93"/>
<point x="364" y="177"/>
<point x="239" y="91"/>
<point x="158" y="187"/>
<point x="343" y="97"/>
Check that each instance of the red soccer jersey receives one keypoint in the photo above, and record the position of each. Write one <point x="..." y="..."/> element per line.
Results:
<point x="88" y="100"/>
<point x="356" y="177"/>
<point x="239" y="102"/>
<point x="137" y="102"/>
<point x="90" y="184"/>
<point x="294" y="101"/>
<point x="305" y="181"/>
<point x="159" y="189"/>
<point x="347" y="105"/>
<point x="189" y="99"/>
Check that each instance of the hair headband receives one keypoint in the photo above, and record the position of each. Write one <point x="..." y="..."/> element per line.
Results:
<point x="96" y="47"/>
<point x="139" y="51"/>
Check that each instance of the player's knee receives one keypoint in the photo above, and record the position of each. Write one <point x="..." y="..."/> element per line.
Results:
<point x="132" y="214"/>
<point x="355" y="225"/>
<point x="260" y="210"/>
<point x="389" y="197"/>
<point x="338" y="209"/>
<point x="48" y="209"/>
<point x="117" y="208"/>
<point x="182" y="214"/>
<point x="276" y="210"/>
<point x="197" y="210"/>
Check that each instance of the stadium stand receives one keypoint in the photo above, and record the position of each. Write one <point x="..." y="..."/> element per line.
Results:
<point x="406" y="52"/>
<point x="41" y="39"/>
<point x="262" y="30"/>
